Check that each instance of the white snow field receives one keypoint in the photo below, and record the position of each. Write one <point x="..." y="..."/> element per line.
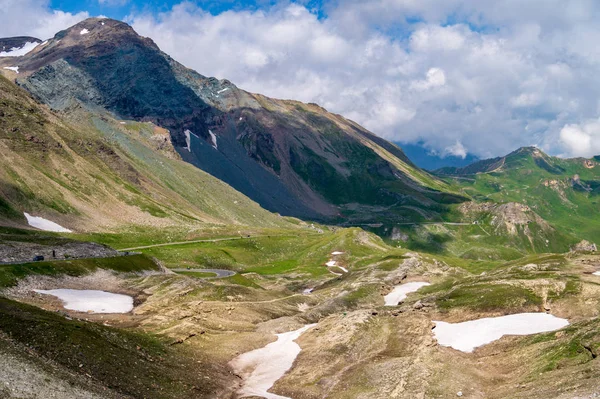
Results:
<point x="92" y="300"/>
<point x="399" y="292"/>
<point x="19" y="51"/>
<point x="45" y="224"/>
<point x="469" y="335"/>
<point x="261" y="367"/>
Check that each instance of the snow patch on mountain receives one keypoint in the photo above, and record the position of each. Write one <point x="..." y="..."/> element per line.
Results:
<point x="213" y="138"/>
<point x="45" y="224"/>
<point x="19" y="51"/>
<point x="188" y="139"/>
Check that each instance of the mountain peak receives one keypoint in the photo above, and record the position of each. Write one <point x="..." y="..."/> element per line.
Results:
<point x="529" y="150"/>
<point x="106" y="31"/>
<point x="293" y="158"/>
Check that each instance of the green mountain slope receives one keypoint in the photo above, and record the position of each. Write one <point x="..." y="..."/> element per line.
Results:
<point x="95" y="173"/>
<point x="564" y="192"/>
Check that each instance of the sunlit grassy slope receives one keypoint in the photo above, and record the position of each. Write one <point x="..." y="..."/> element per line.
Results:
<point x="565" y="192"/>
<point x="88" y="171"/>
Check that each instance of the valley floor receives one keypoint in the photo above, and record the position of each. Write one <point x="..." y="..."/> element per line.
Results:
<point x="187" y="327"/>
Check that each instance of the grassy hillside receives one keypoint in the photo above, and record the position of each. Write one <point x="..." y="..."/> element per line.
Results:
<point x="94" y="173"/>
<point x="564" y="192"/>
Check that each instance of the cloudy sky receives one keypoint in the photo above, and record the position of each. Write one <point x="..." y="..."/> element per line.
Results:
<point x="462" y="76"/>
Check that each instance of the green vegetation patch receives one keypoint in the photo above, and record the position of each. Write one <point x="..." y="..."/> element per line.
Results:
<point x="577" y="344"/>
<point x="489" y="297"/>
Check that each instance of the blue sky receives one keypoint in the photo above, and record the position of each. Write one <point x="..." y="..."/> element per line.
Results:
<point x="119" y="9"/>
<point x="459" y="76"/>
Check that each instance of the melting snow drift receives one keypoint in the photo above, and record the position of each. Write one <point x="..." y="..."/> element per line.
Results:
<point x="14" y="69"/>
<point x="596" y="273"/>
<point x="19" y="51"/>
<point x="84" y="32"/>
<point x="92" y="300"/>
<point x="399" y="292"/>
<point x="469" y="335"/>
<point x="45" y="224"/>
<point x="262" y="367"/>
<point x="336" y="253"/>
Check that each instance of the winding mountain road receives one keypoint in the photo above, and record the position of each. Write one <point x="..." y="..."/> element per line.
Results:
<point x="219" y="273"/>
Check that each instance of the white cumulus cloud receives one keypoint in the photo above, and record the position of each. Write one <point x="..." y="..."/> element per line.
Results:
<point x="582" y="139"/>
<point x="498" y="75"/>
<point x="34" y="18"/>
<point x="457" y="75"/>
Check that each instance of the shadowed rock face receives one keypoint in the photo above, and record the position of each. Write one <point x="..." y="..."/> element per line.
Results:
<point x="293" y="158"/>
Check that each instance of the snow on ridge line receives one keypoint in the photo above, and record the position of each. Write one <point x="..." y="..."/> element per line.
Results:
<point x="471" y="334"/>
<point x="14" y="69"/>
<point x="19" y="51"/>
<point x="45" y="224"/>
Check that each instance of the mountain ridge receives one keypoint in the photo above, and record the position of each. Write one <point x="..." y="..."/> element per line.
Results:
<point x="293" y="158"/>
<point x="564" y="192"/>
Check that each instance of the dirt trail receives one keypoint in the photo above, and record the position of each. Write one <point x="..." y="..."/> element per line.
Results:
<point x="168" y="244"/>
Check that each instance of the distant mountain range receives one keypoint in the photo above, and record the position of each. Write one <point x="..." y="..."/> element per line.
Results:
<point x="565" y="192"/>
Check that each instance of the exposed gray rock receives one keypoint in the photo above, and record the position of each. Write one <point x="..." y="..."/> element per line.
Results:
<point x="398" y="235"/>
<point x="16" y="252"/>
<point x="584" y="246"/>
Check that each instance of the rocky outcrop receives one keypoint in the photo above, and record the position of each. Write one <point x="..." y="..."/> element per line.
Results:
<point x="505" y="218"/>
<point x="584" y="246"/>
